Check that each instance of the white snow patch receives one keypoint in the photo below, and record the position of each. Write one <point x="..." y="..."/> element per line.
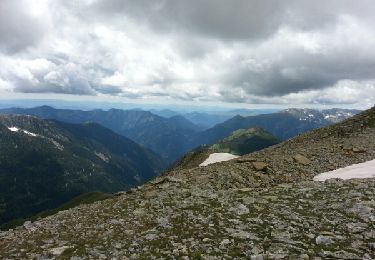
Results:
<point x="13" y="129"/>
<point x="16" y="129"/>
<point x="356" y="171"/>
<point x="218" y="157"/>
<point x="58" y="145"/>
<point x="29" y="133"/>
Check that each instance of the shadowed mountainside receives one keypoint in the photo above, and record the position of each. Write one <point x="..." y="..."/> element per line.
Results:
<point x="46" y="163"/>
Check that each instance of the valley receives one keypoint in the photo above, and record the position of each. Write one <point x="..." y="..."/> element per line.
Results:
<point x="46" y="163"/>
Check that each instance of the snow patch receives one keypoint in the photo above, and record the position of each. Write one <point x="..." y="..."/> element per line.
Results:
<point x="58" y="146"/>
<point x="29" y="133"/>
<point x="16" y="129"/>
<point x="356" y="171"/>
<point x="13" y="129"/>
<point x="218" y="157"/>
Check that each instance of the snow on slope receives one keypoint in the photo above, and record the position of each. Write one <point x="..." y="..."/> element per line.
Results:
<point x="218" y="157"/>
<point x="13" y="129"/>
<point x="355" y="171"/>
<point x="16" y="129"/>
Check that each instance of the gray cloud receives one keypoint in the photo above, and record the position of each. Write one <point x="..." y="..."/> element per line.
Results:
<point x="233" y="19"/>
<point x="18" y="29"/>
<point x="238" y="19"/>
<point x="301" y="71"/>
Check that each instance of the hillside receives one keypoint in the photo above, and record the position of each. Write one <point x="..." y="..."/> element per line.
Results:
<point x="46" y="163"/>
<point x="261" y="206"/>
<point x="164" y="136"/>
<point x="209" y="119"/>
<point x="86" y="198"/>
<point x="283" y="125"/>
<point x="240" y="142"/>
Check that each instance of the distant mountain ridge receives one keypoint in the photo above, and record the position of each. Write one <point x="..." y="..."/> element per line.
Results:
<point x="174" y="136"/>
<point x="164" y="136"/>
<point x="45" y="163"/>
<point x="333" y="115"/>
<point x="283" y="125"/>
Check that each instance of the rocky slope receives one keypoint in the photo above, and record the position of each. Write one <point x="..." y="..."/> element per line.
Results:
<point x="240" y="142"/>
<point x="261" y="206"/>
<point x="46" y="163"/>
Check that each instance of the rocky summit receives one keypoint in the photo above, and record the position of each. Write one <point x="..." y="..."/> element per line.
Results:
<point x="260" y="206"/>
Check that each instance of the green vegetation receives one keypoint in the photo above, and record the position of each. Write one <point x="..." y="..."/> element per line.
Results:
<point x="62" y="161"/>
<point x="244" y="141"/>
<point x="87" y="198"/>
<point x="240" y="142"/>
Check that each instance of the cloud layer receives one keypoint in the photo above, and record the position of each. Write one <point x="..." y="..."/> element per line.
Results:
<point x="250" y="51"/>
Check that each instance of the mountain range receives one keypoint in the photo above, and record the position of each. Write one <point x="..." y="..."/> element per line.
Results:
<point x="172" y="137"/>
<point x="165" y="136"/>
<point x="208" y="119"/>
<point x="283" y="125"/>
<point x="45" y="163"/>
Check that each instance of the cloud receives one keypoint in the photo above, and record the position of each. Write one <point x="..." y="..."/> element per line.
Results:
<point x="296" y="61"/>
<point x="19" y="26"/>
<point x="44" y="76"/>
<point x="238" y="19"/>
<point x="248" y="51"/>
<point x="231" y="19"/>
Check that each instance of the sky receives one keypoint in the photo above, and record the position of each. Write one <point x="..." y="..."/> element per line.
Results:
<point x="247" y="52"/>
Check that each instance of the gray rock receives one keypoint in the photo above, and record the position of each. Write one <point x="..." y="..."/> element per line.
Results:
<point x="260" y="166"/>
<point x="240" y="209"/>
<point x="301" y="159"/>
<point x="323" y="240"/>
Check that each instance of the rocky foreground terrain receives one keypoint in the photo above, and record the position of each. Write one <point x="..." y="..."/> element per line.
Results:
<point x="260" y="206"/>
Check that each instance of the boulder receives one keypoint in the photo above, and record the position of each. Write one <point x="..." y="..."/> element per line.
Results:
<point x="301" y="159"/>
<point x="323" y="240"/>
<point x="260" y="166"/>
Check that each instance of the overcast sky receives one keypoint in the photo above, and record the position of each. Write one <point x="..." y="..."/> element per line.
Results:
<point x="288" y="52"/>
